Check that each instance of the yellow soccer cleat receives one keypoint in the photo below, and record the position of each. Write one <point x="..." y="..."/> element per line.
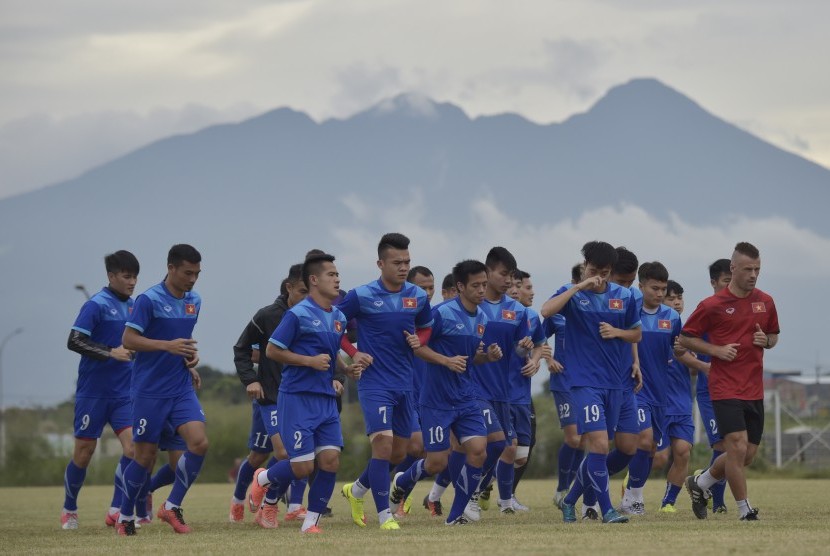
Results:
<point x="390" y="525"/>
<point x="668" y="509"/>
<point x="356" y="505"/>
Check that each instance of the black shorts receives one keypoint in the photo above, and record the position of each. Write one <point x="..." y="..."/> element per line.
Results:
<point x="740" y="415"/>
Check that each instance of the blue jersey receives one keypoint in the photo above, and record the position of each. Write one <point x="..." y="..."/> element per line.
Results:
<point x="590" y="360"/>
<point x="308" y="329"/>
<point x="159" y="315"/>
<point x="555" y="325"/>
<point x="454" y="332"/>
<point x="102" y="318"/>
<point x="678" y="389"/>
<point x="519" y="386"/>
<point x="628" y="357"/>
<point x="703" y="380"/>
<point x="656" y="349"/>
<point x="506" y="326"/>
<point x="382" y="316"/>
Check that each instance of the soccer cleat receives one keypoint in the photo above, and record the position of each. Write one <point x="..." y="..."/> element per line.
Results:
<point x="751" y="516"/>
<point x="668" y="509"/>
<point x="612" y="516"/>
<point x="237" y="513"/>
<point x="266" y="516"/>
<point x="460" y="520"/>
<point x="175" y="518"/>
<point x="297" y="515"/>
<point x="327" y="512"/>
<point x="396" y="496"/>
<point x="506" y="507"/>
<point x="590" y="512"/>
<point x="484" y="497"/>
<point x="125" y="528"/>
<point x="111" y="519"/>
<point x="633" y="508"/>
<point x="719" y="510"/>
<point x="313" y="530"/>
<point x="69" y="521"/>
<point x="559" y="497"/>
<point x="356" y="505"/>
<point x="390" y="525"/>
<point x="434" y="508"/>
<point x="257" y="492"/>
<point x="518" y="506"/>
<point x="472" y="511"/>
<point x="407" y="504"/>
<point x="143" y="521"/>
<point x="568" y="512"/>
<point x="698" y="496"/>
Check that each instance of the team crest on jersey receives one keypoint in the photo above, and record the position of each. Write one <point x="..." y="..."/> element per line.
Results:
<point x="759" y="307"/>
<point x="409" y="302"/>
<point x="616" y="304"/>
<point x="730" y="310"/>
<point x="508" y="315"/>
<point x="338" y="326"/>
<point x="190" y="309"/>
<point x="664" y="324"/>
<point x="480" y="329"/>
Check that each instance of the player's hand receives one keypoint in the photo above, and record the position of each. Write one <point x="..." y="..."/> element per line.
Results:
<point x="338" y="388"/>
<point x="526" y="343"/>
<point x="678" y="349"/>
<point x="726" y="353"/>
<point x="185" y="347"/>
<point x="354" y="371"/>
<point x="362" y="359"/>
<point x="759" y="337"/>
<point x="637" y="375"/>
<point x="196" y="378"/>
<point x="531" y="368"/>
<point x="547" y="352"/>
<point x="494" y="353"/>
<point x="554" y="366"/>
<point x="607" y="332"/>
<point x="191" y="362"/>
<point x="412" y="339"/>
<point x="254" y="391"/>
<point x="121" y="353"/>
<point x="321" y="362"/>
<point x="457" y="363"/>
<point x="592" y="283"/>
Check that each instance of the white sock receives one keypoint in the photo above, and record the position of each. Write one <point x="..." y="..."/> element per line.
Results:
<point x="706" y="480"/>
<point x="262" y="480"/>
<point x="636" y="494"/>
<point x="169" y="505"/>
<point x="743" y="507"/>
<point x="271" y="501"/>
<point x="124" y="518"/>
<point x="358" y="490"/>
<point x="505" y="502"/>
<point x="113" y="510"/>
<point x="294" y="507"/>
<point x="310" y="520"/>
<point x="436" y="492"/>
<point x="236" y="500"/>
<point x="384" y="516"/>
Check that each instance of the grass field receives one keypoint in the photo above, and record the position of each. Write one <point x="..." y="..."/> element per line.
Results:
<point x="795" y="517"/>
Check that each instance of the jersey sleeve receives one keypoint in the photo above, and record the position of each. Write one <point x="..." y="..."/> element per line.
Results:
<point x="536" y="332"/>
<point x="632" y="314"/>
<point x="676" y="328"/>
<point x="350" y="306"/>
<point x="286" y="332"/>
<point x="424" y="317"/>
<point x="698" y="323"/>
<point x="437" y="325"/>
<point x="523" y="328"/>
<point x="772" y="323"/>
<point x="142" y="314"/>
<point x="88" y="318"/>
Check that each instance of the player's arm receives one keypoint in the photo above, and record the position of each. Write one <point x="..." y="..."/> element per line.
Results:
<point x="491" y="355"/>
<point x="133" y="340"/>
<point x="726" y="352"/>
<point x="82" y="344"/>
<point x="319" y="362"/>
<point x="688" y="358"/>
<point x="630" y="335"/>
<point x="243" y="359"/>
<point x="556" y="303"/>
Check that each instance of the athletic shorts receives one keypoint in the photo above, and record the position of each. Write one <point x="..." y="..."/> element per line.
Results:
<point x="497" y="418"/>
<point x="629" y="419"/>
<point x="565" y="408"/>
<point x="707" y="415"/>
<point x="308" y="423"/>
<point x="521" y="419"/>
<point x="436" y="424"/>
<point x="652" y="417"/>
<point x="740" y="415"/>
<point x="679" y="426"/>
<point x="170" y="441"/>
<point x="92" y="414"/>
<point x="385" y="410"/>
<point x="263" y="427"/>
<point x="597" y="409"/>
<point x="150" y="415"/>
<point x="415" y="410"/>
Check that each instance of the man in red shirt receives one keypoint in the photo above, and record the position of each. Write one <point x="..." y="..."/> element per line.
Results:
<point x="740" y="322"/>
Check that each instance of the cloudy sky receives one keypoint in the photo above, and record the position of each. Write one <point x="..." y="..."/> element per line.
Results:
<point x="88" y="80"/>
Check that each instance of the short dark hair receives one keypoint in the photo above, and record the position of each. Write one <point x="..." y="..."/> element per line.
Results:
<point x="283" y="287"/>
<point x="295" y="274"/>
<point x="392" y="241"/>
<point x="313" y="265"/>
<point x="462" y="271"/>
<point x="747" y="249"/>
<point x="653" y="271"/>
<point x="182" y="252"/>
<point x="314" y="252"/>
<point x="626" y="261"/>
<point x="599" y="254"/>
<point x="719" y="268"/>
<point x="520" y="274"/>
<point x="673" y="287"/>
<point x="576" y="273"/>
<point x="416" y="270"/>
<point x="500" y="255"/>
<point x="448" y="283"/>
<point x="121" y="261"/>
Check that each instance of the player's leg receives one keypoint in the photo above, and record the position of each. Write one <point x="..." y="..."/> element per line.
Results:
<point x="471" y="431"/>
<point x="259" y="447"/>
<point x="570" y="455"/>
<point x="432" y="501"/>
<point x="710" y="425"/>
<point x="328" y="441"/>
<point x="496" y="444"/>
<point x="523" y="452"/>
<point x="681" y="449"/>
<point x="505" y="470"/>
<point x="640" y="465"/>
<point x="90" y="417"/>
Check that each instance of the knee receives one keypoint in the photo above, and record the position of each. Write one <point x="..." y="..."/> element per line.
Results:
<point x="476" y="457"/>
<point x="434" y="467"/>
<point x="255" y="459"/>
<point x="199" y="446"/>
<point x="329" y="462"/>
<point x="382" y="447"/>
<point x="83" y="454"/>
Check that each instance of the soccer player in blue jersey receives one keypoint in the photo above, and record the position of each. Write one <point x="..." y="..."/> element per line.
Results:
<point x="160" y="331"/>
<point x="602" y="323"/>
<point x="102" y="395"/>
<point x="447" y="397"/>
<point x="306" y="343"/>
<point x="508" y="328"/>
<point x="386" y="310"/>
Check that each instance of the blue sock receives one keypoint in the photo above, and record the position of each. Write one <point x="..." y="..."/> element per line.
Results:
<point x="719" y="488"/>
<point x="580" y="486"/>
<point x="566" y="456"/>
<point x="320" y="492"/>
<point x="280" y="476"/>
<point x="379" y="483"/>
<point x="616" y="461"/>
<point x="504" y="477"/>
<point x="671" y="494"/>
<point x="163" y="477"/>
<point x="465" y="485"/>
<point x="444" y="477"/>
<point x="405" y="464"/>
<point x="243" y="480"/>
<point x="364" y="477"/>
<point x="579" y="455"/>
<point x="134" y="478"/>
<point x="411" y="476"/>
<point x="73" y="480"/>
<point x="186" y="472"/>
<point x="597" y="468"/>
<point x="141" y="500"/>
<point x="297" y="491"/>
<point x="456" y="462"/>
<point x="494" y="450"/>
<point x="638" y="469"/>
<point x="118" y="493"/>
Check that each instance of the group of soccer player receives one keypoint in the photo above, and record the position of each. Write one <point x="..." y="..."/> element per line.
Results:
<point x="445" y="389"/>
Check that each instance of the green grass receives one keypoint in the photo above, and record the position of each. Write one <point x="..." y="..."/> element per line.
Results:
<point x="795" y="517"/>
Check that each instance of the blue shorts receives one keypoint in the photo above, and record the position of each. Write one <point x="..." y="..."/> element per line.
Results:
<point x="497" y="418"/>
<point x="707" y="415"/>
<point x="628" y="421"/>
<point x="436" y="425"/>
<point x="385" y="410"/>
<point x="680" y="426"/>
<point x="92" y="414"/>
<point x="263" y="427"/>
<point x="565" y="408"/>
<point x="520" y="416"/>
<point x="170" y="440"/>
<point x="652" y="417"/>
<point x="150" y="415"/>
<point x="308" y="423"/>
<point x="598" y="409"/>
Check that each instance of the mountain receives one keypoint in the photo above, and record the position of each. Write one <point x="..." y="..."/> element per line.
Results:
<point x="254" y="196"/>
